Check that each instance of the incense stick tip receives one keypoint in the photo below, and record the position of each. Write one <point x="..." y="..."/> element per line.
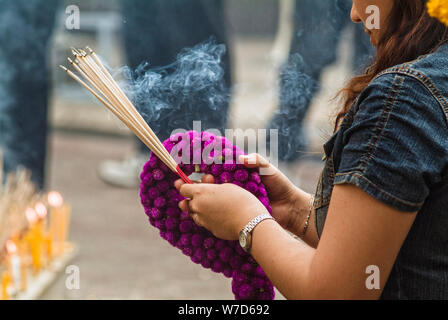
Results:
<point x="63" y="68"/>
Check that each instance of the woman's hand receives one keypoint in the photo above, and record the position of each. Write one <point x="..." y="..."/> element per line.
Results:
<point x="222" y="209"/>
<point x="289" y="203"/>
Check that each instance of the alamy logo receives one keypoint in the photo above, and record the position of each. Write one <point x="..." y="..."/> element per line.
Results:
<point x="373" y="280"/>
<point x="373" y="20"/>
<point x="73" y="21"/>
<point x="73" y="279"/>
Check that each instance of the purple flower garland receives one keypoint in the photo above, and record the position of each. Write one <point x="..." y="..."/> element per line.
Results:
<point x="160" y="200"/>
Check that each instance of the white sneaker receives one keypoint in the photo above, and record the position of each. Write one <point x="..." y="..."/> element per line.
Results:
<point x="125" y="173"/>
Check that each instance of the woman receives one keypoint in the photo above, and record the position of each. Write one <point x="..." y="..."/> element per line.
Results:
<point x="383" y="192"/>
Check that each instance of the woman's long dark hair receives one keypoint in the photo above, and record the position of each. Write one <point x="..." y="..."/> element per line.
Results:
<point x="410" y="33"/>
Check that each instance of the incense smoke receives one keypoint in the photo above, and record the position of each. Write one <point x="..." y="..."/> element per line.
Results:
<point x="296" y="91"/>
<point x="192" y="88"/>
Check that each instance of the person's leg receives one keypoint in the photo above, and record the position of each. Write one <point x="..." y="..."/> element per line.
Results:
<point x="317" y="29"/>
<point x="156" y="31"/>
<point x="25" y="28"/>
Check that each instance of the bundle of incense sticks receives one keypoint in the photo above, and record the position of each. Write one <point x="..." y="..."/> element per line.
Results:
<point x="106" y="90"/>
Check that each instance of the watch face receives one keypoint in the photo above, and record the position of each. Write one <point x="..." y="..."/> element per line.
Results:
<point x="243" y="240"/>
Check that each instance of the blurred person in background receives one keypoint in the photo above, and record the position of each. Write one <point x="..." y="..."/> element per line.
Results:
<point x="25" y="30"/>
<point x="317" y="30"/>
<point x="156" y="31"/>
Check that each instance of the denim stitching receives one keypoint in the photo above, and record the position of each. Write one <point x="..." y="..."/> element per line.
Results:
<point x="382" y="122"/>
<point x="425" y="81"/>
<point x="359" y="175"/>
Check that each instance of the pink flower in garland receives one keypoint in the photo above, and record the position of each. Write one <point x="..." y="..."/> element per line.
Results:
<point x="160" y="200"/>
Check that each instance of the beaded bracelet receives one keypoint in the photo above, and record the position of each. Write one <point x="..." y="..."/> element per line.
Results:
<point x="307" y="221"/>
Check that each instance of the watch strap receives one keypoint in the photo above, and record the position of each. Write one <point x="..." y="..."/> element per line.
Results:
<point x="255" y="221"/>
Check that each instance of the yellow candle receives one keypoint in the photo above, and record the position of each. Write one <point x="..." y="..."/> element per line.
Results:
<point x="35" y="238"/>
<point x="56" y="202"/>
<point x="14" y="262"/>
<point x="41" y="211"/>
<point x="23" y="264"/>
<point x="6" y="280"/>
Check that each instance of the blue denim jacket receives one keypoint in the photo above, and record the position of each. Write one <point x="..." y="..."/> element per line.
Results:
<point x="393" y="144"/>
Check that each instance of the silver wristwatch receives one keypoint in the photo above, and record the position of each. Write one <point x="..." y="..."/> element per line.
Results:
<point x="245" y="237"/>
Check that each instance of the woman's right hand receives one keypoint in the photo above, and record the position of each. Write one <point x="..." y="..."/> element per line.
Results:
<point x="287" y="200"/>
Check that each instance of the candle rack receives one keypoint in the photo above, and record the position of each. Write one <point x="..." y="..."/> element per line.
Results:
<point x="34" y="244"/>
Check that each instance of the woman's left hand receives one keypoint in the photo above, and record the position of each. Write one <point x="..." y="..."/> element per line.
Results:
<point x="223" y="209"/>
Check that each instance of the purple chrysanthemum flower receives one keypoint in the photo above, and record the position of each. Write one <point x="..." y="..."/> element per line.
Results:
<point x="235" y="262"/>
<point x="212" y="254"/>
<point x="188" y="251"/>
<point x="241" y="175"/>
<point x="171" y="223"/>
<point x="217" y="266"/>
<point x="163" y="186"/>
<point x="160" y="224"/>
<point x="159" y="202"/>
<point x="225" y="254"/>
<point x="240" y="277"/>
<point x="155" y="213"/>
<point x="186" y="226"/>
<point x="229" y="167"/>
<point x="204" y="168"/>
<point x="206" y="263"/>
<point x="255" y="177"/>
<point x="185" y="216"/>
<point x="259" y="272"/>
<point x="257" y="282"/>
<point x="185" y="239"/>
<point x="262" y="192"/>
<point x="173" y="212"/>
<point x="216" y="169"/>
<point x="227" y="272"/>
<point x="158" y="174"/>
<point x="245" y="292"/>
<point x="196" y="240"/>
<point x="171" y="237"/>
<point x="209" y="243"/>
<point x="219" y="244"/>
<point x="225" y="177"/>
<point x="240" y="251"/>
<point x="199" y="253"/>
<point x="252" y="187"/>
<point x="152" y="193"/>
<point x="247" y="267"/>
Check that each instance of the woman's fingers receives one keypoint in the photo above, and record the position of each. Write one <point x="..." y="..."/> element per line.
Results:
<point x="208" y="178"/>
<point x="178" y="183"/>
<point x="183" y="205"/>
<point x="196" y="218"/>
<point x="254" y="160"/>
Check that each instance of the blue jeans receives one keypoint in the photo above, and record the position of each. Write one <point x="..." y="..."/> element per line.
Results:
<point x="317" y="29"/>
<point x="25" y="28"/>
